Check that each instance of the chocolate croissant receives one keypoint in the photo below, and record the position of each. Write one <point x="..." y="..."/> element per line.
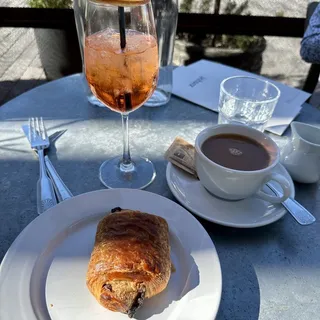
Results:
<point x="130" y="260"/>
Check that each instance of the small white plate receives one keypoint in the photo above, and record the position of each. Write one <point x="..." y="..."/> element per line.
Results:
<point x="43" y="275"/>
<point x="248" y="213"/>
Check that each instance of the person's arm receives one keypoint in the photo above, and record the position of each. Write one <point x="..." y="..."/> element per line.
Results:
<point x="310" y="44"/>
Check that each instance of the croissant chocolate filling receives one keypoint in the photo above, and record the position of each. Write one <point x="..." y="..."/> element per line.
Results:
<point x="137" y="303"/>
<point x="116" y="209"/>
<point x="107" y="286"/>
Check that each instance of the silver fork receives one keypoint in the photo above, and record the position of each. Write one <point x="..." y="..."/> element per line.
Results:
<point x="39" y="141"/>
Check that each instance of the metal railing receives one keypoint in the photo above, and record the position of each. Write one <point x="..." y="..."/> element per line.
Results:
<point x="187" y="22"/>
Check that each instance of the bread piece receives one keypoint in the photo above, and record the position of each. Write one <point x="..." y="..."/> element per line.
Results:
<point x="130" y="260"/>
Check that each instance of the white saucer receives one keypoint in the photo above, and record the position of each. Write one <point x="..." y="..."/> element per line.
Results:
<point x="248" y="213"/>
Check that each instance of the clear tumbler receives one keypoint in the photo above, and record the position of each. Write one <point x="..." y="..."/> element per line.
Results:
<point x="166" y="17"/>
<point x="247" y="100"/>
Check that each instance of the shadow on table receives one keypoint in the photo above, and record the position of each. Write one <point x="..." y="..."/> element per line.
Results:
<point x="12" y="89"/>
<point x="240" y="286"/>
<point x="245" y="253"/>
<point x="241" y="290"/>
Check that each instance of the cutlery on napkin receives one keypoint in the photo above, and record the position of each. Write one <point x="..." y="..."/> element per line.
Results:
<point x="61" y="190"/>
<point x="39" y="141"/>
<point x="182" y="154"/>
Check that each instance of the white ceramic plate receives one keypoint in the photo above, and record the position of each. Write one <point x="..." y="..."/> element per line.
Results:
<point x="248" y="213"/>
<point x="43" y="273"/>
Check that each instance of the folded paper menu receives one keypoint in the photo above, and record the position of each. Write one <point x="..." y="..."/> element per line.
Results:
<point x="200" y="84"/>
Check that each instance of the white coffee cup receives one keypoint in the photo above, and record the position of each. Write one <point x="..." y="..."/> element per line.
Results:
<point x="233" y="184"/>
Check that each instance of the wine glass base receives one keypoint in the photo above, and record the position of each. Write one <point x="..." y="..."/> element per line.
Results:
<point x="112" y="176"/>
<point x="159" y="98"/>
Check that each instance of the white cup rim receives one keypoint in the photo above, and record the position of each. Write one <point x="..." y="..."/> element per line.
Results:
<point x="198" y="146"/>
<point x="222" y="87"/>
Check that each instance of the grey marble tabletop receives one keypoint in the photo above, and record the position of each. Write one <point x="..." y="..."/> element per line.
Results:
<point x="269" y="273"/>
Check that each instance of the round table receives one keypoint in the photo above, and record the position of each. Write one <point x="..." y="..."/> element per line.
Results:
<point x="271" y="272"/>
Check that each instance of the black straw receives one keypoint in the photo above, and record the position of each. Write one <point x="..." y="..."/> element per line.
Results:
<point x="128" y="102"/>
<point x="122" y="27"/>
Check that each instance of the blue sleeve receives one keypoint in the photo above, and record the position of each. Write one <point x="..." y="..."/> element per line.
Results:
<point x="310" y="44"/>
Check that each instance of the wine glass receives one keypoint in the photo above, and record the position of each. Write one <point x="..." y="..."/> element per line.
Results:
<point x="121" y="66"/>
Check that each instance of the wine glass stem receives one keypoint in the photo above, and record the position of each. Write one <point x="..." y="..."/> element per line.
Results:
<point x="126" y="164"/>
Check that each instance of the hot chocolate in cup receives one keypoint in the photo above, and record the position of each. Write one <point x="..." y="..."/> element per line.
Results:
<point x="234" y="162"/>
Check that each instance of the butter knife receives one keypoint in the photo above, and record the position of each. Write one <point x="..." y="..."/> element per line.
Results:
<point x="62" y="191"/>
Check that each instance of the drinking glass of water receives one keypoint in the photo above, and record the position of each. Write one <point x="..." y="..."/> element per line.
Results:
<point x="247" y="100"/>
<point x="166" y="18"/>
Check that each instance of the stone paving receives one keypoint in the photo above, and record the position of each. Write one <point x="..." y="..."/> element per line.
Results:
<point x="20" y="65"/>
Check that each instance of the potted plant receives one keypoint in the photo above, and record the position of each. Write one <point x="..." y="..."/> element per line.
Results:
<point x="58" y="49"/>
<point x="243" y="52"/>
